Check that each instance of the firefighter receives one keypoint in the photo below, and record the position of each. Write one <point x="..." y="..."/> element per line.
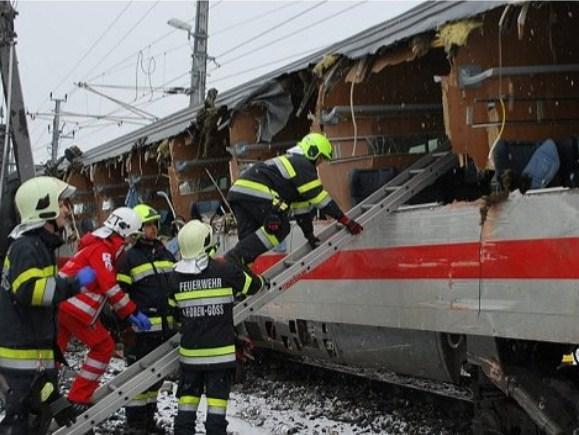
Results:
<point x="205" y="291"/>
<point x="31" y="290"/>
<point x="143" y="272"/>
<point x="79" y="315"/>
<point x="264" y="195"/>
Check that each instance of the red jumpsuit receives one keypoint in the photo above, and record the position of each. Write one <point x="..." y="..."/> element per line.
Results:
<point x="78" y="316"/>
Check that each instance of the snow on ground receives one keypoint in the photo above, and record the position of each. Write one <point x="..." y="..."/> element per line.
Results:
<point x="281" y="399"/>
<point x="273" y="400"/>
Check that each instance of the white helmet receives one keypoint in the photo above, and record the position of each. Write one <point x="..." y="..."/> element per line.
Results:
<point x="37" y="199"/>
<point x="123" y="221"/>
<point x="195" y="244"/>
<point x="195" y="240"/>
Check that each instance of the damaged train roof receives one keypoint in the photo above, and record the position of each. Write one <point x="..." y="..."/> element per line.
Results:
<point x="423" y="18"/>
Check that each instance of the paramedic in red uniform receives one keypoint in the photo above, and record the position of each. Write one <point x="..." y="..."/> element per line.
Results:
<point x="79" y="315"/>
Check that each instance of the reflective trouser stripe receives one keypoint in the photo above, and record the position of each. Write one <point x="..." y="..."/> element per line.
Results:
<point x="188" y="403"/>
<point x="268" y="240"/>
<point x="143" y="399"/>
<point x="92" y="369"/>
<point x="26" y="359"/>
<point x="216" y="406"/>
<point x="95" y="364"/>
<point x="86" y="374"/>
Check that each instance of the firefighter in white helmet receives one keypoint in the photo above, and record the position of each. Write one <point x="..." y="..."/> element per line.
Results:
<point x="205" y="289"/>
<point x="31" y="289"/>
<point x="79" y="315"/>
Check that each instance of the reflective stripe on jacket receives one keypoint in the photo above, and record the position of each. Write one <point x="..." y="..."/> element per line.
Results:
<point x="29" y="294"/>
<point x="205" y="306"/>
<point x="100" y="254"/>
<point x="291" y="178"/>
<point x="143" y="272"/>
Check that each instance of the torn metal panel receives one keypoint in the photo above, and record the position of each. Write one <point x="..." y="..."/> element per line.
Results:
<point x="425" y="17"/>
<point x="278" y="107"/>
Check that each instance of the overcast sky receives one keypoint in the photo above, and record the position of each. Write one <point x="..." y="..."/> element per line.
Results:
<point x="128" y="44"/>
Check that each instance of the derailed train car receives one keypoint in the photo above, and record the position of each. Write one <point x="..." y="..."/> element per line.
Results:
<point x="467" y="284"/>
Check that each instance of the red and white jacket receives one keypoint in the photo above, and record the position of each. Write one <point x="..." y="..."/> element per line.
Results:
<point x="100" y="254"/>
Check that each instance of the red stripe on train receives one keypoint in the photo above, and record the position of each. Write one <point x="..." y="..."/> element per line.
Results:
<point x="512" y="259"/>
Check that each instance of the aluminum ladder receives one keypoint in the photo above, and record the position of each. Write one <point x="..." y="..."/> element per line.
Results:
<point x="164" y="360"/>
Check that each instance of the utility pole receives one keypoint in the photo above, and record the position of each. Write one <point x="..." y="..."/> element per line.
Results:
<point x="56" y="127"/>
<point x="199" y="66"/>
<point x="16" y="115"/>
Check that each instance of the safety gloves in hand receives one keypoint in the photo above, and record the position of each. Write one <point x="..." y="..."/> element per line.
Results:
<point x="140" y="320"/>
<point x="63" y="412"/>
<point x="86" y="276"/>
<point x="352" y="226"/>
<point x="313" y="240"/>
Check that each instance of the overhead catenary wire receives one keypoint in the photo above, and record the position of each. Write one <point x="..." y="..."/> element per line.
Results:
<point x="256" y="37"/>
<point x="88" y="52"/>
<point x="290" y="34"/>
<point x="128" y="62"/>
<point x="270" y="29"/>
<point x="126" y="34"/>
<point x="283" y="37"/>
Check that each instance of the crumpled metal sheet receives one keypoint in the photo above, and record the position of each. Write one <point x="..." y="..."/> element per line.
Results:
<point x="278" y="108"/>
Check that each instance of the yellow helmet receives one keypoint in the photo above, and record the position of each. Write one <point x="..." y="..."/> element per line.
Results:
<point x="315" y="145"/>
<point x="195" y="240"/>
<point x="37" y="199"/>
<point x="147" y="213"/>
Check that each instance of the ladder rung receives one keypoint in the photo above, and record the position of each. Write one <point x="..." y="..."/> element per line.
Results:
<point x="112" y="387"/>
<point x="416" y="171"/>
<point x="366" y="207"/>
<point x="391" y="188"/>
<point x="289" y="263"/>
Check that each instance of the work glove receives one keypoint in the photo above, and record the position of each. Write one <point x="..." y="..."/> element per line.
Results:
<point x="352" y="226"/>
<point x="86" y="276"/>
<point x="272" y="222"/>
<point x="140" y="320"/>
<point x="63" y="412"/>
<point x="313" y="241"/>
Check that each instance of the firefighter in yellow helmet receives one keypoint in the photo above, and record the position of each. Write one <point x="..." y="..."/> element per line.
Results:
<point x="266" y="193"/>
<point x="205" y="289"/>
<point x="31" y="290"/>
<point x="143" y="272"/>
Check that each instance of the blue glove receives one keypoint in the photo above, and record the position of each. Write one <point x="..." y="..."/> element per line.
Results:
<point x="140" y="321"/>
<point x="86" y="276"/>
